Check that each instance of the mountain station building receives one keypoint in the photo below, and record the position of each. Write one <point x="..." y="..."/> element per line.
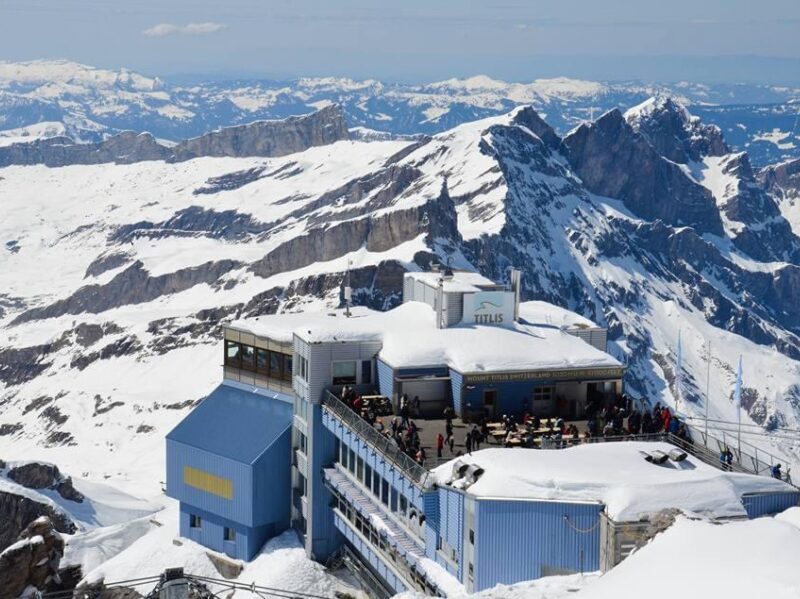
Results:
<point x="274" y="446"/>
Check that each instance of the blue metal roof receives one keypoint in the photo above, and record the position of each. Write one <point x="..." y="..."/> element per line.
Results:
<point x="234" y="423"/>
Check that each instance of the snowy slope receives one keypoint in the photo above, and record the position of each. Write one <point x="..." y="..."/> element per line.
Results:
<point x="115" y="278"/>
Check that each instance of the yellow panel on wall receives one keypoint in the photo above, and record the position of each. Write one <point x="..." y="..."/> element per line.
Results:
<point x="221" y="487"/>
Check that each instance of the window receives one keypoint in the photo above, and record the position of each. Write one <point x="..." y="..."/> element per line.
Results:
<point x="542" y="393"/>
<point x="344" y="373"/>
<point x="230" y="534"/>
<point x="194" y="521"/>
<point x="262" y="361"/>
<point x="232" y="357"/>
<point x="287" y="367"/>
<point x="385" y="492"/>
<point x="359" y="467"/>
<point x="367" y="476"/>
<point x="366" y="372"/>
<point x="248" y="353"/>
<point x="275" y="365"/>
<point x="403" y="504"/>
<point x="351" y="462"/>
<point x="303" y="367"/>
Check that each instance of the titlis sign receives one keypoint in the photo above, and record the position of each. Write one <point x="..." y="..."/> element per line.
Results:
<point x="489" y="308"/>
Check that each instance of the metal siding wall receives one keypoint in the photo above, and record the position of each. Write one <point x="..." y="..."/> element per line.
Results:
<point x="430" y="501"/>
<point x="211" y="533"/>
<point x="516" y="540"/>
<point x="455" y="308"/>
<point x="238" y="509"/>
<point x="321" y="538"/>
<point x="757" y="505"/>
<point x="272" y="474"/>
<point x="456" y="384"/>
<point x="451" y="525"/>
<point x="385" y="379"/>
<point x="512" y="398"/>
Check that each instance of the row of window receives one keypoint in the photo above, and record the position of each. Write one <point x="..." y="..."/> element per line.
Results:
<point x="195" y="521"/>
<point x="380" y="488"/>
<point x="272" y="364"/>
<point x="345" y="373"/>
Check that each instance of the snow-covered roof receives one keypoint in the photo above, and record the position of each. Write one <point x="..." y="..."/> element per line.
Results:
<point x="614" y="474"/>
<point x="460" y="282"/>
<point x="410" y="338"/>
<point x="543" y="313"/>
<point x="699" y="559"/>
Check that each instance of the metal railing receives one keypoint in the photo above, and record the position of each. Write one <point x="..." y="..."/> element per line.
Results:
<point x="382" y="444"/>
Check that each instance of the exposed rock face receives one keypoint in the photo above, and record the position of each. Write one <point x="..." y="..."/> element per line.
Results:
<point x="782" y="180"/>
<point x="18" y="511"/>
<point x="33" y="560"/>
<point x="674" y="133"/>
<point x="261" y="138"/>
<point x="134" y="285"/>
<point x="615" y="161"/>
<point x="268" y="138"/>
<point x="124" y="148"/>
<point x="37" y="475"/>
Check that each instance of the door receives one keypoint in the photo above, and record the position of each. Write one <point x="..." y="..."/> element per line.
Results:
<point x="489" y="401"/>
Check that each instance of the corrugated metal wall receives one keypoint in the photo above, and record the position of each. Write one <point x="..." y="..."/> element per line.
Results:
<point x="385" y="379"/>
<point x="457" y="386"/>
<point x="272" y="482"/>
<point x="524" y="540"/>
<point x="454" y="308"/>
<point x="239" y="508"/>
<point x="451" y="530"/>
<point x="764" y="504"/>
<point x="211" y="533"/>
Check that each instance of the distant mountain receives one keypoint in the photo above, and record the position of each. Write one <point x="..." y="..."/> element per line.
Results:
<point x="88" y="104"/>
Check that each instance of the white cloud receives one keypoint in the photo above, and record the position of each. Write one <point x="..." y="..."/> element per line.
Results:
<point x="164" y="29"/>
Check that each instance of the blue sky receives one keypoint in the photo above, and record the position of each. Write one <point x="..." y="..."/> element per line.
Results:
<point x="414" y="40"/>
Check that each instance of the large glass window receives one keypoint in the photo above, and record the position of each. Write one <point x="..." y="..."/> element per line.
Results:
<point x="275" y="365"/>
<point x="248" y="354"/>
<point x="232" y="354"/>
<point x="344" y="373"/>
<point x="287" y="367"/>
<point x="262" y="361"/>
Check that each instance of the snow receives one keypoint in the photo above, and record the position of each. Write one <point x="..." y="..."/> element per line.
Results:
<point x="410" y="338"/>
<point x="103" y="505"/>
<point x="781" y="139"/>
<point x="42" y="130"/>
<point x="544" y="313"/>
<point x="614" y="474"/>
<point x="282" y="563"/>
<point x="697" y="559"/>
<point x="460" y="282"/>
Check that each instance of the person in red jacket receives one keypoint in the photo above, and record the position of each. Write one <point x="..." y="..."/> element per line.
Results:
<point x="439" y="445"/>
<point x="667" y="417"/>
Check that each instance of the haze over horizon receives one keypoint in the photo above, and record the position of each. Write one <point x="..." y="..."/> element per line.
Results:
<point x="717" y="41"/>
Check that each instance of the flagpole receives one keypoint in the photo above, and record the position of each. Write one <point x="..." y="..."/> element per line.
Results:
<point x="678" y="375"/>
<point x="708" y="387"/>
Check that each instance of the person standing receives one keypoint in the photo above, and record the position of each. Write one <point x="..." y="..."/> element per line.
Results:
<point x="468" y="442"/>
<point x="439" y="445"/>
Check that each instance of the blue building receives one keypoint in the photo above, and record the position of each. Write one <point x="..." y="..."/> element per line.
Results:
<point x="276" y="445"/>
<point x="228" y="463"/>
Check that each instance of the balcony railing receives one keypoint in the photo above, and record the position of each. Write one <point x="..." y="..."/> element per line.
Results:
<point x="384" y="445"/>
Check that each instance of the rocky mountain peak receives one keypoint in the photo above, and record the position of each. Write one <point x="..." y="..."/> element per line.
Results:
<point x="614" y="160"/>
<point x="674" y="132"/>
<point x="529" y="118"/>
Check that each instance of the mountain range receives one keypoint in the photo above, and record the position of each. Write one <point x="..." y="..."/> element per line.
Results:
<point x="119" y="269"/>
<point x="51" y="98"/>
